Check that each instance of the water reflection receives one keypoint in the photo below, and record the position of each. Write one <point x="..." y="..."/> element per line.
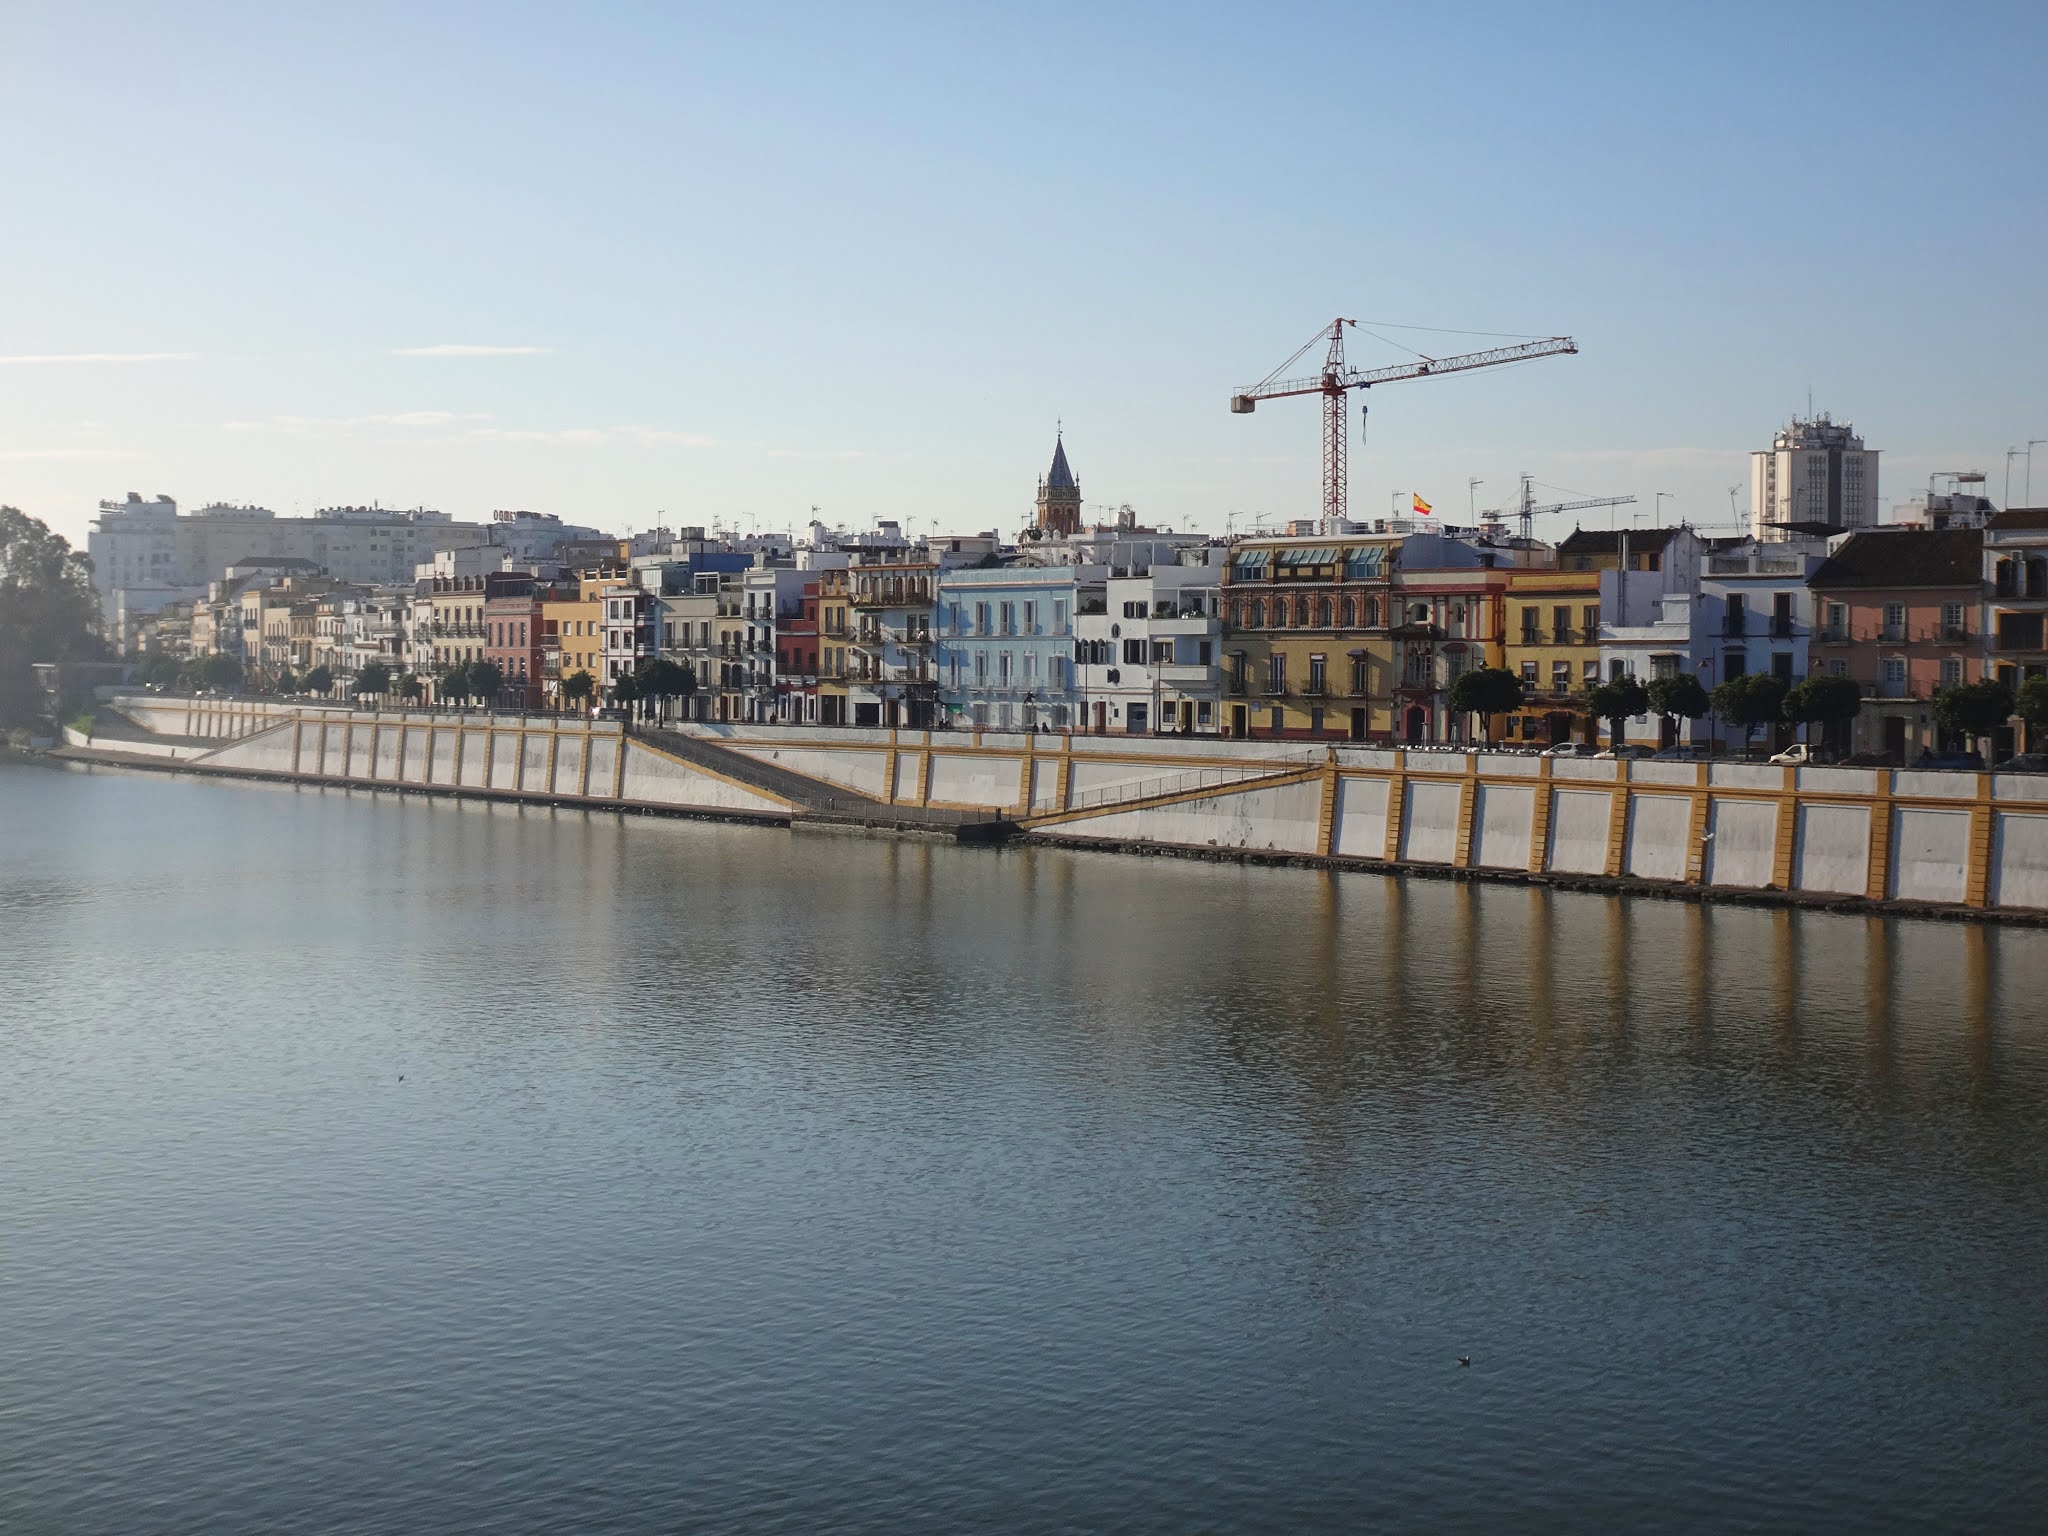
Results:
<point x="770" y="1182"/>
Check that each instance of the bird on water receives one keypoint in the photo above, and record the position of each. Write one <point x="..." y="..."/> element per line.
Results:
<point x="1464" y="1359"/>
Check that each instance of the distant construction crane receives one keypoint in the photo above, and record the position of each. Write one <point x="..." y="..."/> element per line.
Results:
<point x="1336" y="380"/>
<point x="1528" y="511"/>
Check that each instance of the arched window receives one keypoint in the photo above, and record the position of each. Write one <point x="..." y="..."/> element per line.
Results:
<point x="1279" y="613"/>
<point x="1322" y="613"/>
<point x="1258" y="613"/>
<point x="1350" y="610"/>
<point x="1372" y="612"/>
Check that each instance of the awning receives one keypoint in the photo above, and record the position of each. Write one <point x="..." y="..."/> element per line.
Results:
<point x="1252" y="559"/>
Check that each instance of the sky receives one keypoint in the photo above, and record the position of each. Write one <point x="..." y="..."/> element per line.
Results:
<point x="721" y="265"/>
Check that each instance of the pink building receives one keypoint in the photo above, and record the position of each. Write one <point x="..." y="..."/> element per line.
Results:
<point x="1901" y="612"/>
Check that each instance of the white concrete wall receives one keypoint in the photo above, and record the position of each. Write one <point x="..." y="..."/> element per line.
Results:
<point x="1503" y="824"/>
<point x="1429" y="820"/>
<point x="604" y="762"/>
<point x="1362" y="818"/>
<point x="1930" y="853"/>
<point x="1659" y="827"/>
<point x="653" y="779"/>
<point x="865" y="773"/>
<point x="569" y="765"/>
<point x="1579" y="820"/>
<point x="990" y="781"/>
<point x="2019" y="860"/>
<point x="1742" y="841"/>
<point x="1281" y="820"/>
<point x="1833" y="849"/>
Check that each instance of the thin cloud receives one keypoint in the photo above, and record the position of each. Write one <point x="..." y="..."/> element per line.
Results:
<point x="28" y="455"/>
<point x="413" y="420"/>
<point x="101" y="357"/>
<point x="466" y="349"/>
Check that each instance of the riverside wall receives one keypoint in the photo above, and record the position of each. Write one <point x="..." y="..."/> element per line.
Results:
<point x="1964" y="842"/>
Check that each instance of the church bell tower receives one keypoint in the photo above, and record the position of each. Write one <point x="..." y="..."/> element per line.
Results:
<point x="1059" y="495"/>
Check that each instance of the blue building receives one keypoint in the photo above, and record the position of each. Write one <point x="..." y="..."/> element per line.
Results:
<point x="1005" y="644"/>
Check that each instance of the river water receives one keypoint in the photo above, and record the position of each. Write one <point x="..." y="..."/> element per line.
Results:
<point x="379" y="1164"/>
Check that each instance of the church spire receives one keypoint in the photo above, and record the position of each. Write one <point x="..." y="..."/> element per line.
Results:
<point x="1059" y="493"/>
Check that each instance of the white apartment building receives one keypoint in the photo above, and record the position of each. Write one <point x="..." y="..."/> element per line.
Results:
<point x="1815" y="471"/>
<point x="1759" y="612"/>
<point x="146" y="554"/>
<point x="1151" y="660"/>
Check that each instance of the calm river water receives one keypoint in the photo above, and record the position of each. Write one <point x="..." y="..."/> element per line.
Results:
<point x="384" y="1165"/>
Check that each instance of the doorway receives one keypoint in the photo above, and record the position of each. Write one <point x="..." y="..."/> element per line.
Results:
<point x="1417" y="725"/>
<point x="1358" y="722"/>
<point x="1895" y="738"/>
<point x="1240" y="721"/>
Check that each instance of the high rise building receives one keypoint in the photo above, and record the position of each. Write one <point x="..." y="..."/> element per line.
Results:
<point x="1815" y="472"/>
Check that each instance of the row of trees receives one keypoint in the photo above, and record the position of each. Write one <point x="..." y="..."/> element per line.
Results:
<point x="47" y="612"/>
<point x="1963" y="711"/>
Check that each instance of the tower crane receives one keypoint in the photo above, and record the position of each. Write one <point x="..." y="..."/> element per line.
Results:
<point x="1336" y="380"/>
<point x="1527" y="509"/>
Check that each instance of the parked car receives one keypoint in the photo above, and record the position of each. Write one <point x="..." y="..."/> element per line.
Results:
<point x="1802" y="754"/>
<point x="1628" y="749"/>
<point x="1972" y="762"/>
<point x="1573" y="749"/>
<point x="1868" y="760"/>
<point x="2026" y="762"/>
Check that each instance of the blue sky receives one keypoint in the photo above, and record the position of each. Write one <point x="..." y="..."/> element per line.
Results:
<point x="735" y="262"/>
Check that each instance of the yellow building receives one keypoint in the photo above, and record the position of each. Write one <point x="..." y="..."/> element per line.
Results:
<point x="1308" y="651"/>
<point x="835" y="639"/>
<point x="571" y="641"/>
<point x="458" y="624"/>
<point x="1553" y="646"/>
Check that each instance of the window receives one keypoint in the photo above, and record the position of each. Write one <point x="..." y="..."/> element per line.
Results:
<point x="1591" y="623"/>
<point x="1358" y="676"/>
<point x="1301" y="613"/>
<point x="1056" y="672"/>
<point x="1009" y="618"/>
<point x="1738" y="615"/>
<point x="1276" y="672"/>
<point x="1894" y="621"/>
<point x="1951" y="621"/>
<point x="1838" y="667"/>
<point x="1781" y="666"/>
<point x="1733" y="664"/>
<point x="1560" y="677"/>
<point x="1529" y="674"/>
<point x="981" y="669"/>
<point x="1003" y="670"/>
<point x="1318" y="667"/>
<point x="981" y="618"/>
<point x="1134" y="653"/>
<point x="1259" y="613"/>
<point x="1134" y="610"/>
<point x="1322" y="613"/>
<point x="1372" y="612"/>
<point x="1350" y="612"/>
<point x="1781" y="615"/>
<point x="1532" y="629"/>
<point x="1895" y="673"/>
<point x="1616" y="669"/>
<point x="1838" y="621"/>
<point x="1030" y="669"/>
<point x="1205" y="652"/>
<point x="1591" y="672"/>
<point x="1951" y="671"/>
<point x="1031" y="618"/>
<point x="1279" y="721"/>
<point x="1666" y="665"/>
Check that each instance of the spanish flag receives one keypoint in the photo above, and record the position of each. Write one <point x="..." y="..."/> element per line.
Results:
<point x="1422" y="508"/>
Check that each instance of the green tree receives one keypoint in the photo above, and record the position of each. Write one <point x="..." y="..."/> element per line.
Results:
<point x="1617" y="701"/>
<point x="47" y="611"/>
<point x="223" y="672"/>
<point x="579" y="687"/>
<point x="287" y="682"/>
<point x="410" y="687"/>
<point x="1751" y="700"/>
<point x="159" y="669"/>
<point x="2030" y="703"/>
<point x="374" y="679"/>
<point x="1678" y="697"/>
<point x="625" y="692"/>
<point x="1967" y="711"/>
<point x="1486" y="692"/>
<point x="319" y="680"/>
<point x="660" y="680"/>
<point x="486" y="681"/>
<point x="1828" y="702"/>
